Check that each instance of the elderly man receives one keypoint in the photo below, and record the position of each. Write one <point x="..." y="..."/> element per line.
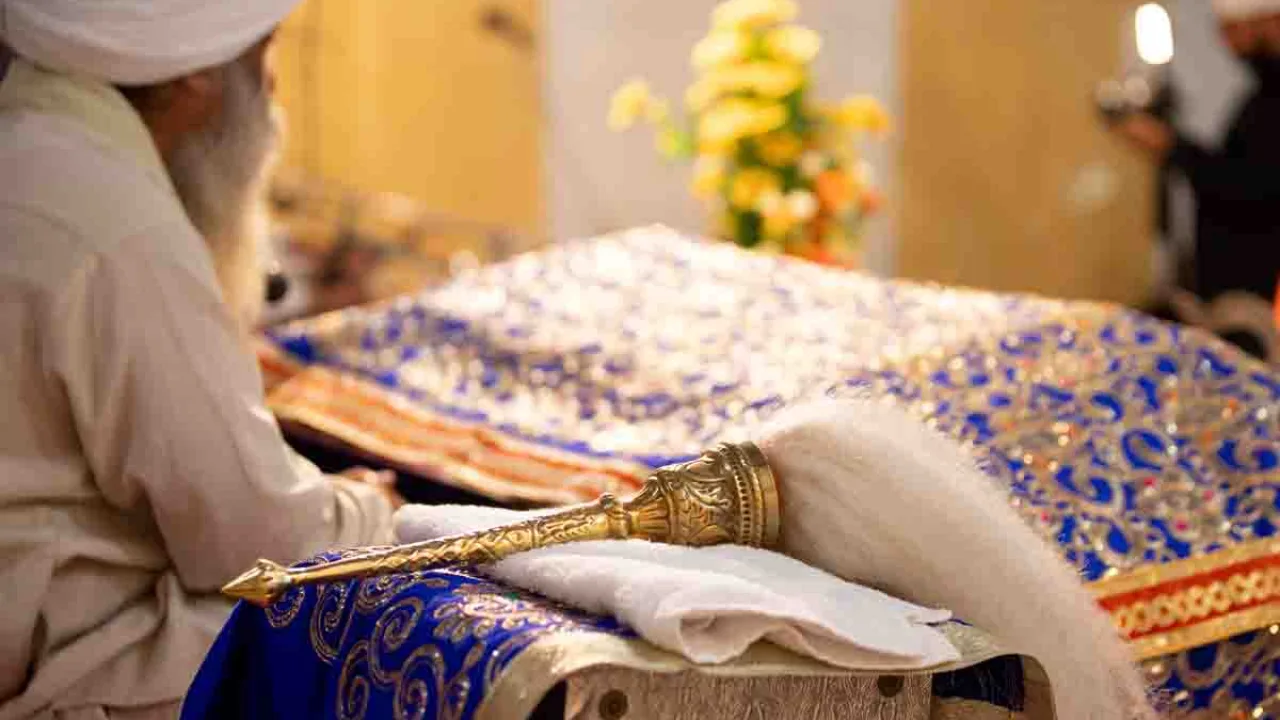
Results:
<point x="139" y="470"/>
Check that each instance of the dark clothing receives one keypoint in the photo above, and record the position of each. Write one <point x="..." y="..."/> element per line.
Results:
<point x="1238" y="196"/>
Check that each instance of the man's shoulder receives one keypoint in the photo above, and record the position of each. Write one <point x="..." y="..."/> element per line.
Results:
<point x="65" y="198"/>
<point x="52" y="169"/>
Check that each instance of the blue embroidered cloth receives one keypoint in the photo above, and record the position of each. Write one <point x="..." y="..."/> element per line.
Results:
<point x="423" y="645"/>
<point x="426" y="645"/>
<point x="1148" y="452"/>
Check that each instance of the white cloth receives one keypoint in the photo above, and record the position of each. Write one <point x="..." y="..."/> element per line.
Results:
<point x="1245" y="9"/>
<point x="136" y="42"/>
<point x="710" y="604"/>
<point x="139" y="469"/>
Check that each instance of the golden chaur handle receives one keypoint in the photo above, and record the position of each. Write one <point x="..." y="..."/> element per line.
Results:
<point x="728" y="495"/>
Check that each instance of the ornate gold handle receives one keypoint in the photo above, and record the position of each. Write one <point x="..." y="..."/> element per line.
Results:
<point x="728" y="495"/>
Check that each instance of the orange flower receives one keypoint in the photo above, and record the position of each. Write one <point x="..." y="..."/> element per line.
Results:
<point x="815" y="251"/>
<point x="871" y="201"/>
<point x="835" y="190"/>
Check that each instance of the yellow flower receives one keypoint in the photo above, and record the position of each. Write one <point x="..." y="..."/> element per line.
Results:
<point x="863" y="113"/>
<point x="780" y="149"/>
<point x="750" y="185"/>
<point x="771" y="202"/>
<point x="736" y="118"/>
<point x="766" y="79"/>
<point x="765" y="118"/>
<point x="708" y="177"/>
<point x="793" y="43"/>
<point x="812" y="163"/>
<point x="782" y="214"/>
<point x="701" y="94"/>
<point x="802" y="205"/>
<point x="658" y="111"/>
<point x="629" y="103"/>
<point x="738" y="14"/>
<point x="778" y="226"/>
<point x="778" y="220"/>
<point x="721" y="47"/>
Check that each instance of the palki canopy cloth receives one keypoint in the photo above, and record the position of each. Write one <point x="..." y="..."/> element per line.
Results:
<point x="1148" y="452"/>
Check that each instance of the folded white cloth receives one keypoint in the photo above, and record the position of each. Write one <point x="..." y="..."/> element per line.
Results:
<point x="710" y="604"/>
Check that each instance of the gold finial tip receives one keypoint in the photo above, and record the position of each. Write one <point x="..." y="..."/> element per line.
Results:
<point x="262" y="585"/>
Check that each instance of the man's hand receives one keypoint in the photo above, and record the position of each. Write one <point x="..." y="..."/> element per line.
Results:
<point x="384" y="481"/>
<point x="1146" y="133"/>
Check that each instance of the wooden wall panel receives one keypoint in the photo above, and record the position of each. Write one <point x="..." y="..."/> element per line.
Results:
<point x="1008" y="181"/>
<point x="416" y="97"/>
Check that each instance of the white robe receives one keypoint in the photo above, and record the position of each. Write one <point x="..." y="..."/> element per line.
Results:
<point x="139" y="468"/>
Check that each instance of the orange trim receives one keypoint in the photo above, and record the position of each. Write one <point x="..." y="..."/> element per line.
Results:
<point x="316" y="392"/>
<point x="482" y="438"/>
<point x="275" y="366"/>
<point x="480" y="434"/>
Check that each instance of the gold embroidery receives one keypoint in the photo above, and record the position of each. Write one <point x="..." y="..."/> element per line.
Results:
<point x="353" y="691"/>
<point x="374" y="593"/>
<point x="1235" y="664"/>
<point x="1205" y="633"/>
<point x="327" y="619"/>
<point x="283" y="613"/>
<point x="1152" y="575"/>
<point x="1142" y="617"/>
<point x="369" y="663"/>
<point x="395" y="626"/>
<point x="1180" y="605"/>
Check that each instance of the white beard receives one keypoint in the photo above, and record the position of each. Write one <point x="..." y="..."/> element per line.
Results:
<point x="220" y="175"/>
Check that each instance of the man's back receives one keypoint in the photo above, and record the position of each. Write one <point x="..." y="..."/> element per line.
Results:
<point x="138" y="469"/>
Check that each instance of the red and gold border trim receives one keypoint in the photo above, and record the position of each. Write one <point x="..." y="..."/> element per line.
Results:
<point x="1168" y="608"/>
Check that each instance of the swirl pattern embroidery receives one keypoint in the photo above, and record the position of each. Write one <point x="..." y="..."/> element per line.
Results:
<point x="417" y="645"/>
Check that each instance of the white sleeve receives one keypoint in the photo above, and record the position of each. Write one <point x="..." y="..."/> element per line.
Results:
<point x="169" y="409"/>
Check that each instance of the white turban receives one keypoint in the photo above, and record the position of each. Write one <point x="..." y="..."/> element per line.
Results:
<point x="136" y="42"/>
<point x="1245" y="9"/>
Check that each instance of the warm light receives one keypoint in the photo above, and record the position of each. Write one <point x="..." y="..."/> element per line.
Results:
<point x="1154" y="31"/>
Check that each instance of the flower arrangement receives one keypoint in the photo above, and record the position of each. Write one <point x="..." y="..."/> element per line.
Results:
<point x="782" y="173"/>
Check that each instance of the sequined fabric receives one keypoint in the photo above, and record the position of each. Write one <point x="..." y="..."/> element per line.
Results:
<point x="1148" y="452"/>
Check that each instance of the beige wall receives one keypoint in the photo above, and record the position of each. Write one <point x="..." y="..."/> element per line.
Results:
<point x="1007" y="180"/>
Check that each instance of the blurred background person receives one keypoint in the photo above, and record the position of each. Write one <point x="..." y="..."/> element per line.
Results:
<point x="1235" y="260"/>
